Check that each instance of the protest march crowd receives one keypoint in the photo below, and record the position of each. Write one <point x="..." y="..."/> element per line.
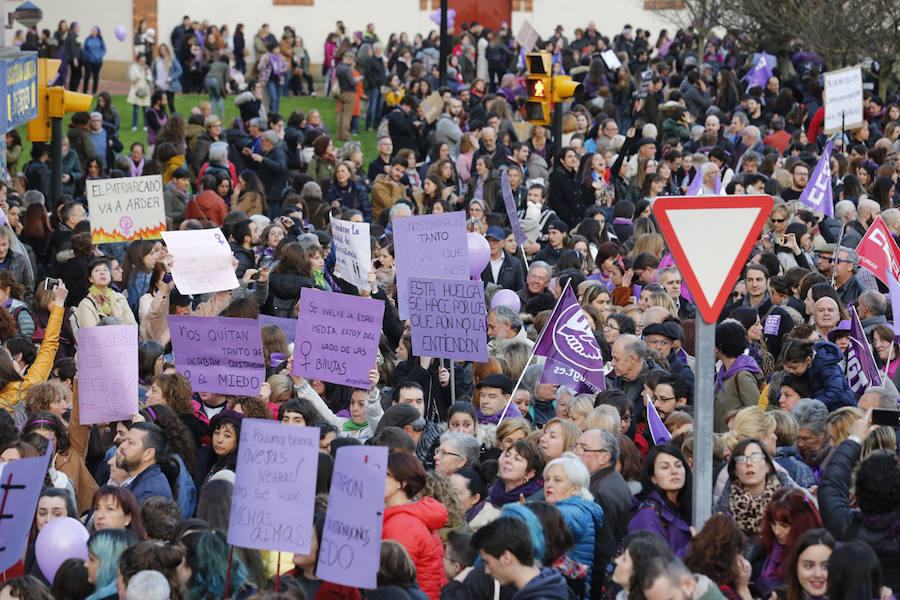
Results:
<point x="544" y="448"/>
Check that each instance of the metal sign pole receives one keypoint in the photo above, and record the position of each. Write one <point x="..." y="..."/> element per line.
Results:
<point x="704" y="398"/>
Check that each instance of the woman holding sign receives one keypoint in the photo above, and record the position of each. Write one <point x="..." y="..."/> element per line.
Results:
<point x="102" y="301"/>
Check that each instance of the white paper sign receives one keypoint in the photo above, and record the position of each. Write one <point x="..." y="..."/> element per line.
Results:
<point x="126" y="209"/>
<point x="202" y="261"/>
<point x="843" y="100"/>
<point x="612" y="61"/>
<point x="527" y="36"/>
<point x="352" y="248"/>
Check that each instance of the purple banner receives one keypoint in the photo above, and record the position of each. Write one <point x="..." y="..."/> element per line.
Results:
<point x="350" y="551"/>
<point x="573" y="355"/>
<point x="288" y="326"/>
<point x="273" y="502"/>
<point x="107" y="373"/>
<point x="20" y="486"/>
<point x="818" y="194"/>
<point x="218" y="355"/>
<point x="512" y="212"/>
<point x="658" y="429"/>
<point x="894" y="288"/>
<point x="862" y="372"/>
<point x="337" y="337"/>
<point x="447" y="319"/>
<point x="430" y="246"/>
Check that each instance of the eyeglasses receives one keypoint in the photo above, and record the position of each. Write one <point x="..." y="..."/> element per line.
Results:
<point x="658" y="343"/>
<point x="442" y="452"/>
<point x="778" y="220"/>
<point x="755" y="458"/>
<point x="579" y="447"/>
<point x="611" y="327"/>
<point x="661" y="399"/>
<point x="737" y="295"/>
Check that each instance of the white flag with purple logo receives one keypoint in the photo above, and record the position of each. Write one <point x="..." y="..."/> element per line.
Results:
<point x="572" y="352"/>
<point x="817" y="194"/>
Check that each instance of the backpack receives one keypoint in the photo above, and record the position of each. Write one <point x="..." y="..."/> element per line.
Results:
<point x="284" y="307"/>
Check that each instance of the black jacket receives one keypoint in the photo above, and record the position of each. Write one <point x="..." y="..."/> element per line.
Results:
<point x="272" y="171"/>
<point x="510" y="275"/>
<point x="375" y="73"/>
<point x="565" y="196"/>
<point x="614" y="496"/>
<point x="402" y="131"/>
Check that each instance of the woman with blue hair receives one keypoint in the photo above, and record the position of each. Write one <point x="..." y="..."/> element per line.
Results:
<point x="206" y="559"/>
<point x="104" y="549"/>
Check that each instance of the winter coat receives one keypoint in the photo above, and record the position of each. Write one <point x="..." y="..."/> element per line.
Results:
<point x="16" y="391"/>
<point x="71" y="166"/>
<point x="736" y="388"/>
<point x="565" y="196"/>
<point x="141" y="79"/>
<point x="790" y="460"/>
<point x="510" y="275"/>
<point x="150" y="482"/>
<point x="272" y="171"/>
<point x="548" y="585"/>
<point x="614" y="496"/>
<point x="880" y="531"/>
<point x="284" y="292"/>
<point x="385" y="193"/>
<point x="353" y="196"/>
<point x="583" y="518"/>
<point x="651" y="513"/>
<point x="415" y="526"/>
<point x="827" y="382"/>
<point x="88" y="314"/>
<point x="206" y="206"/>
<point x="94" y="49"/>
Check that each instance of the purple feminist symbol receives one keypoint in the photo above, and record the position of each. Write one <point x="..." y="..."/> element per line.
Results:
<point x="125" y="224"/>
<point x="575" y="341"/>
<point x="218" y="237"/>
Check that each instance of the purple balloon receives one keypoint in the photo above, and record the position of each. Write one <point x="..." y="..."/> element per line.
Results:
<point x="479" y="254"/>
<point x="58" y="541"/>
<point x="121" y="33"/>
<point x="506" y="298"/>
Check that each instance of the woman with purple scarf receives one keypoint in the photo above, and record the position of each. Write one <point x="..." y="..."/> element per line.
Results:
<point x="738" y="378"/>
<point x="518" y="474"/>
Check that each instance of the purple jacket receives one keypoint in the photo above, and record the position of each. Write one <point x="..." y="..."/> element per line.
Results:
<point x="653" y="514"/>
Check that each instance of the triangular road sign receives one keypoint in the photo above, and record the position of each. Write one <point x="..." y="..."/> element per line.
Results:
<point x="710" y="238"/>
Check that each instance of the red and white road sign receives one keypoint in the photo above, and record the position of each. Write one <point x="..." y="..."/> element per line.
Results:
<point x="710" y="238"/>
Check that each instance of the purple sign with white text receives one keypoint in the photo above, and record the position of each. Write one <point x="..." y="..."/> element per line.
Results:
<point x="337" y="337"/>
<point x="350" y="551"/>
<point x="447" y="319"/>
<point x="218" y="355"/>
<point x="862" y="372"/>
<point x="107" y="373"/>
<point x="429" y="246"/>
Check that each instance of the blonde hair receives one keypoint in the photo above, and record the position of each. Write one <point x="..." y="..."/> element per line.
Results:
<point x="648" y="242"/>
<point x="604" y="417"/>
<point x="581" y="405"/>
<point x="786" y="428"/>
<point x="281" y="385"/>
<point x="749" y="422"/>
<point x="41" y="395"/>
<point x="841" y="422"/>
<point x="665" y="300"/>
<point x="508" y="426"/>
<point x="570" y="432"/>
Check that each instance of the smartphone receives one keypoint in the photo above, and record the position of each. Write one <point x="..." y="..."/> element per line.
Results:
<point x="884" y="416"/>
<point x="376" y="264"/>
<point x="50" y="283"/>
<point x="255" y="276"/>
<point x="778" y="239"/>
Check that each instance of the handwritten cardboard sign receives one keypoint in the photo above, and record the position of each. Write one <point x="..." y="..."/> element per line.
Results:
<point x="352" y="251"/>
<point x="20" y="487"/>
<point x="107" y="373"/>
<point x="337" y="337"/>
<point x="527" y="36"/>
<point x="447" y="319"/>
<point x="429" y="246"/>
<point x="126" y="209"/>
<point x="274" y="492"/>
<point x="218" y="354"/>
<point x="350" y="550"/>
<point x="843" y="96"/>
<point x="201" y="261"/>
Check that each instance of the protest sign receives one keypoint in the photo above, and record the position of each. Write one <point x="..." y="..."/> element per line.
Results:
<point x="219" y="355"/>
<point x="107" y="373"/>
<point x="512" y="212"/>
<point x="430" y="246"/>
<point x="350" y="550"/>
<point x="126" y="209"/>
<point x="447" y="319"/>
<point x="273" y="501"/>
<point x="843" y="100"/>
<point x="201" y="261"/>
<point x="352" y="251"/>
<point x="20" y="486"/>
<point x="337" y="337"/>
<point x="527" y="37"/>
<point x="612" y="61"/>
<point x="432" y="106"/>
<point x="288" y="326"/>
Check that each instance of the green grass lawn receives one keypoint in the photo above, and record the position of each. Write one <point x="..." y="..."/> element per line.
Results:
<point x="184" y="103"/>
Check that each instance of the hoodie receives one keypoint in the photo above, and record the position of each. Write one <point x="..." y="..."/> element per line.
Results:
<point x="548" y="585"/>
<point x="827" y="382"/>
<point x="415" y="525"/>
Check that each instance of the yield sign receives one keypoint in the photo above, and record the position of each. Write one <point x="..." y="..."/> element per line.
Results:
<point x="710" y="238"/>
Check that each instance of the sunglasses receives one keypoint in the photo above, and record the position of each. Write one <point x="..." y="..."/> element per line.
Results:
<point x="778" y="220"/>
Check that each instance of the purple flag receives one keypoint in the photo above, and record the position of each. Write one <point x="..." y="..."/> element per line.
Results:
<point x="718" y="186"/>
<point x="894" y="287"/>
<point x="696" y="185"/>
<point x="573" y="355"/>
<point x="337" y="337"/>
<point x="20" y="486"/>
<point x="272" y="504"/>
<point x="817" y="194"/>
<point x="862" y="372"/>
<point x="511" y="212"/>
<point x="658" y="430"/>
<point x="351" y="542"/>
<point x="760" y="73"/>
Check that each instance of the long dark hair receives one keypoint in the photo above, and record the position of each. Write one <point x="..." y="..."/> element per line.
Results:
<point x="854" y="572"/>
<point x="813" y="537"/>
<point x="682" y="505"/>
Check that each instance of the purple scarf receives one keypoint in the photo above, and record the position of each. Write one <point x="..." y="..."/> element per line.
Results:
<point x="886" y="522"/>
<point x="136" y="170"/>
<point x="500" y="497"/>
<point x="772" y="570"/>
<point x="473" y="512"/>
<point x="622" y="221"/>
<point x="511" y="412"/>
<point x="741" y="363"/>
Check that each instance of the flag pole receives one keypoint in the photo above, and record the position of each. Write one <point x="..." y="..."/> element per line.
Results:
<point x="887" y="363"/>
<point x="530" y="358"/>
<point x="525" y="258"/>
<point x="834" y="257"/>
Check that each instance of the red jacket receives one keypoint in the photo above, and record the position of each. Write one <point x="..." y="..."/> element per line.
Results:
<point x="415" y="525"/>
<point x="206" y="206"/>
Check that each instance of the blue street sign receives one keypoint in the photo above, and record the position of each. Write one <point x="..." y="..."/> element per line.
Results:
<point x="18" y="83"/>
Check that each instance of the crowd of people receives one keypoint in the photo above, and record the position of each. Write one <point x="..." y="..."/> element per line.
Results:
<point x="499" y="485"/>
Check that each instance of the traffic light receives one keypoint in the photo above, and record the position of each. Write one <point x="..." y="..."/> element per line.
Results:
<point x="564" y="88"/>
<point x="538" y="86"/>
<point x="53" y="101"/>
